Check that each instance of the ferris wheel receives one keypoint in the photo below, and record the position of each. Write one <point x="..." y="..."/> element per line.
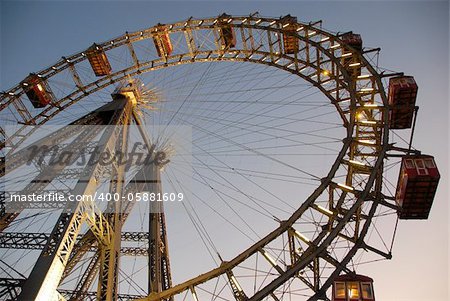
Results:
<point x="281" y="142"/>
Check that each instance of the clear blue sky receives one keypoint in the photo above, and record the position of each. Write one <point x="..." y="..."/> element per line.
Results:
<point x="413" y="36"/>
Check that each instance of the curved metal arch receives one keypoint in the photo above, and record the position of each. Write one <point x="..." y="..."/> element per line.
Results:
<point x="208" y="24"/>
<point x="233" y="55"/>
<point x="10" y="95"/>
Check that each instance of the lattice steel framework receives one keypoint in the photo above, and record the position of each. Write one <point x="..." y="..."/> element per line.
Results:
<point x="349" y="206"/>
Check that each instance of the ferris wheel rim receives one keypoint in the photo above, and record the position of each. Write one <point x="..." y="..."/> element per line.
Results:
<point x="8" y="96"/>
<point x="111" y="79"/>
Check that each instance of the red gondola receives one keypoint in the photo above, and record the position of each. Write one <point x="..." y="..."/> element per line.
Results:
<point x="417" y="184"/>
<point x="162" y="41"/>
<point x="290" y="41"/>
<point x="402" y="99"/>
<point x="227" y="36"/>
<point x="353" y="287"/>
<point x="351" y="61"/>
<point x="37" y="90"/>
<point x="98" y="60"/>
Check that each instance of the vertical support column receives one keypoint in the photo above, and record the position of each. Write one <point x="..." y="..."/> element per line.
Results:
<point x="159" y="265"/>
<point x="109" y="255"/>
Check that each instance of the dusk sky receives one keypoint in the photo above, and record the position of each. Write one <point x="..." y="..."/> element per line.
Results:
<point x="413" y="37"/>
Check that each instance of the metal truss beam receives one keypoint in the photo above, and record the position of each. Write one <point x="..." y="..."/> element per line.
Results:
<point x="49" y="268"/>
<point x="37" y="241"/>
<point x="92" y="296"/>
